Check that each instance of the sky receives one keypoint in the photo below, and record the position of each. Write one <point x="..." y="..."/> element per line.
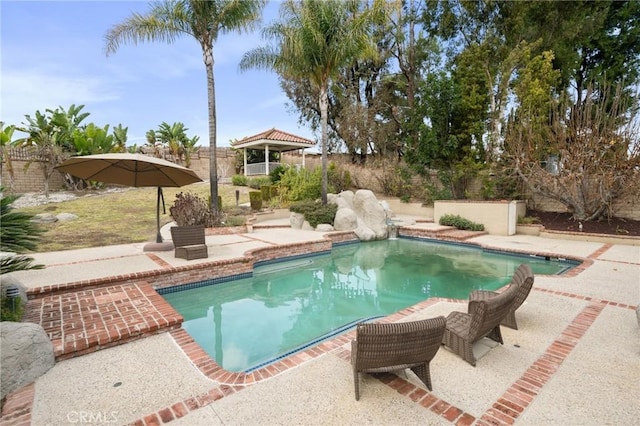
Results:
<point x="52" y="55"/>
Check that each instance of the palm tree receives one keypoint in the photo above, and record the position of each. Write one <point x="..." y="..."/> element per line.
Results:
<point x="313" y="40"/>
<point x="172" y="136"/>
<point x="203" y="20"/>
<point x="120" y="137"/>
<point x="6" y="139"/>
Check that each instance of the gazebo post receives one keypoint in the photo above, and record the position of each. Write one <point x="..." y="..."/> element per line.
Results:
<point x="266" y="159"/>
<point x="244" y="150"/>
<point x="303" y="166"/>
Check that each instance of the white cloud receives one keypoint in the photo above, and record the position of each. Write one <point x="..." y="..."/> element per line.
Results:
<point x="26" y="91"/>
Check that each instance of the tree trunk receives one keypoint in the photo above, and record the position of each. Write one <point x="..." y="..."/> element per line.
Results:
<point x="324" y="108"/>
<point x="213" y="164"/>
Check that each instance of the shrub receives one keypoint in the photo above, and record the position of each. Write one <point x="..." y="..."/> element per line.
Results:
<point x="11" y="309"/>
<point x="255" y="199"/>
<point x="18" y="234"/>
<point x="257" y="182"/>
<point x="315" y="212"/>
<point x="528" y="220"/>
<point x="235" y="220"/>
<point x="277" y="173"/>
<point x="266" y="191"/>
<point x="191" y="209"/>
<point x="460" y="223"/>
<point x="338" y="179"/>
<point x="236" y="215"/>
<point x="300" y="185"/>
<point x="239" y="180"/>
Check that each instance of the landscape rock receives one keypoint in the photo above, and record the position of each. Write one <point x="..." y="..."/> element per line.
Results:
<point x="296" y="220"/>
<point x="332" y="198"/>
<point x="65" y="217"/>
<point x="345" y="220"/>
<point x="369" y="209"/>
<point x="324" y="227"/>
<point x="26" y="354"/>
<point x="306" y="226"/>
<point x="363" y="232"/>
<point x="348" y="197"/>
<point x="342" y="200"/>
<point x="44" y="218"/>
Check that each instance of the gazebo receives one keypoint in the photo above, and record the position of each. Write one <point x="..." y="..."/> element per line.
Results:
<point x="270" y="140"/>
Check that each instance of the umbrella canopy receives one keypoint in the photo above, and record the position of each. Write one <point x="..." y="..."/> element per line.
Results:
<point x="129" y="169"/>
<point x="136" y="170"/>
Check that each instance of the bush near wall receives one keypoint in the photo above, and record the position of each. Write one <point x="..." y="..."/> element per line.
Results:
<point x="315" y="212"/>
<point x="255" y="199"/>
<point x="460" y="223"/>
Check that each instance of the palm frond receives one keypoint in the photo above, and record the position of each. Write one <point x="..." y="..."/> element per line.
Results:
<point x="16" y="263"/>
<point x="165" y="22"/>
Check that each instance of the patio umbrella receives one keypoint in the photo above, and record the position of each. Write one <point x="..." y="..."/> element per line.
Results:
<point x="135" y="170"/>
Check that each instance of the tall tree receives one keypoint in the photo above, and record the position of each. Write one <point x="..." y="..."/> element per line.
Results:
<point x="51" y="136"/>
<point x="314" y="39"/>
<point x="120" y="137"/>
<point x="585" y="159"/>
<point x="172" y="136"/>
<point x="595" y="43"/>
<point x="203" y="20"/>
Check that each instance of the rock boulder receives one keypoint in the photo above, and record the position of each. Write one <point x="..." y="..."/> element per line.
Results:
<point x="26" y="354"/>
<point x="345" y="220"/>
<point x="44" y="218"/>
<point x="296" y="220"/>
<point x="372" y="213"/>
<point x="324" y="227"/>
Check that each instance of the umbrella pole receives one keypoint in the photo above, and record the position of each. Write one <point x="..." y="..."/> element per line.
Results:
<point x="158" y="236"/>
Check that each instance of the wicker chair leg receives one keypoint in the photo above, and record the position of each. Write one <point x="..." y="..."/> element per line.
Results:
<point x="423" y="373"/>
<point x="496" y="335"/>
<point x="466" y="352"/>
<point x="459" y="346"/>
<point x="356" y="384"/>
<point x="510" y="320"/>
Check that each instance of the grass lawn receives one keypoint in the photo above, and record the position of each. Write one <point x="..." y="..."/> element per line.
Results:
<point x="118" y="217"/>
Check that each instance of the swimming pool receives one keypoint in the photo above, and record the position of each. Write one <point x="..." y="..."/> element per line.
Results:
<point x="289" y="305"/>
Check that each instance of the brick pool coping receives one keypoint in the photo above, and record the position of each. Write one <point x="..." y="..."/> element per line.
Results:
<point x="506" y="410"/>
<point x="81" y="319"/>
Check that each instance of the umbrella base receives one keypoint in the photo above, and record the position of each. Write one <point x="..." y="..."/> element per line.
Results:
<point x="164" y="246"/>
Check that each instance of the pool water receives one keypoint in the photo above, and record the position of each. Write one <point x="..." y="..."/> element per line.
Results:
<point x="286" y="306"/>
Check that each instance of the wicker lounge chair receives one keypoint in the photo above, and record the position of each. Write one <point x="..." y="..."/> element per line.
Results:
<point x="390" y="347"/>
<point x="189" y="242"/>
<point x="482" y="320"/>
<point x="523" y="280"/>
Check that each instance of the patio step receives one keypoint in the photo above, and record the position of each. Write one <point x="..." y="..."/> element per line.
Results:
<point x="84" y="321"/>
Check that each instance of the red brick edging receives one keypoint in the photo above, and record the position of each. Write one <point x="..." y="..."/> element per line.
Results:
<point x="505" y="410"/>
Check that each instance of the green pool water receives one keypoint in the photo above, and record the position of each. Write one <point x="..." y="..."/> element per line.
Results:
<point x="289" y="305"/>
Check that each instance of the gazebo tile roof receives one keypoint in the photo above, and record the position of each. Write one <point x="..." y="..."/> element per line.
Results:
<point x="274" y="135"/>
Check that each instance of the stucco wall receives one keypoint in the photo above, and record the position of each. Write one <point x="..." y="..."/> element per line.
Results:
<point x="498" y="217"/>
